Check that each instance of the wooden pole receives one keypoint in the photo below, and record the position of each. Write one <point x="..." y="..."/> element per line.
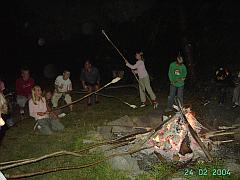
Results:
<point x="193" y="133"/>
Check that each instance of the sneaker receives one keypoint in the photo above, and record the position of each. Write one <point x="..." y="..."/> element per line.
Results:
<point x="61" y="115"/>
<point x="206" y="103"/>
<point x="235" y="105"/>
<point x="21" y="111"/>
<point x="155" y="105"/>
<point x="142" y="105"/>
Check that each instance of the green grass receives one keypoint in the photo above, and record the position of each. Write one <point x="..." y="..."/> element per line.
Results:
<point x="22" y="142"/>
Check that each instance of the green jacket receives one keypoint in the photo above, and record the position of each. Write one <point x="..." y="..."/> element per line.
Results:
<point x="176" y="74"/>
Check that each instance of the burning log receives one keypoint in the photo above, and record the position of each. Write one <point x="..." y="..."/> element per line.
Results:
<point x="194" y="134"/>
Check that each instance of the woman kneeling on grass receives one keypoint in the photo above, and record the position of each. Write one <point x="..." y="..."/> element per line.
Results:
<point x="38" y="110"/>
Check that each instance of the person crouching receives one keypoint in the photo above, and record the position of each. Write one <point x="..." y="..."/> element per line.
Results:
<point x="38" y="110"/>
<point x="63" y="87"/>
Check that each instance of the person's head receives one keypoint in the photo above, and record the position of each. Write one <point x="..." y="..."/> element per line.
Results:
<point x="48" y="95"/>
<point x="87" y="65"/>
<point x="66" y="74"/>
<point x="36" y="94"/>
<point x="25" y="74"/>
<point x="179" y="60"/>
<point x="139" y="55"/>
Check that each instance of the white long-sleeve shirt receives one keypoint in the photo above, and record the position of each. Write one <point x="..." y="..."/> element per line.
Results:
<point x="139" y="67"/>
<point x="41" y="106"/>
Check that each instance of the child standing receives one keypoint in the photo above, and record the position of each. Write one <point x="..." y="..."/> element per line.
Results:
<point x="144" y="81"/>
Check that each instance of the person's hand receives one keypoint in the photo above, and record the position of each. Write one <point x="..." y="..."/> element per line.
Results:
<point x="85" y="87"/>
<point x="41" y="113"/>
<point x="61" y="86"/>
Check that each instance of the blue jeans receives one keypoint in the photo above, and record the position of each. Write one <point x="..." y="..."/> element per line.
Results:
<point x="173" y="92"/>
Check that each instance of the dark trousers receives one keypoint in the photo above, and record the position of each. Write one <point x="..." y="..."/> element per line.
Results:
<point x="175" y="91"/>
<point x="222" y="93"/>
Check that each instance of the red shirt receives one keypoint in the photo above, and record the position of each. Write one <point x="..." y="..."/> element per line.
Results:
<point x="24" y="88"/>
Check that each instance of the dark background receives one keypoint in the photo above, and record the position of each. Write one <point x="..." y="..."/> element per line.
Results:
<point x="71" y="31"/>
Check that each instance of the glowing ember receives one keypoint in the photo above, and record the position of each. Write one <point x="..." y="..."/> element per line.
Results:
<point x="170" y="139"/>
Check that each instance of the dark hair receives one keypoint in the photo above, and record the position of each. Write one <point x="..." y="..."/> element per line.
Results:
<point x="88" y="60"/>
<point x="66" y="70"/>
<point x="141" y="54"/>
<point x="25" y="68"/>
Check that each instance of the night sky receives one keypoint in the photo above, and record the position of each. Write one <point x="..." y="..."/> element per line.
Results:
<point x="71" y="32"/>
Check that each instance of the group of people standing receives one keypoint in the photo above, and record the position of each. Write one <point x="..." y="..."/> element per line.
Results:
<point x="177" y="74"/>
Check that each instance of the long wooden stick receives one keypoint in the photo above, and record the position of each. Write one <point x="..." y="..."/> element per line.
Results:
<point x="73" y="167"/>
<point x="126" y="60"/>
<point x="84" y="97"/>
<point x="193" y="133"/>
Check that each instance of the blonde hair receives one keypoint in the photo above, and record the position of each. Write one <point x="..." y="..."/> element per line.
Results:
<point x="34" y="98"/>
<point x="3" y="104"/>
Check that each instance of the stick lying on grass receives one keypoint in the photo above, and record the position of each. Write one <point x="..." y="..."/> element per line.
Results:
<point x="72" y="167"/>
<point x="114" y="97"/>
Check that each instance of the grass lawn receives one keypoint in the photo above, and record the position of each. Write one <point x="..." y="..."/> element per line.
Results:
<point x="22" y="142"/>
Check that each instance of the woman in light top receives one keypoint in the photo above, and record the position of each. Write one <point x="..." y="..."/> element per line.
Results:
<point x="38" y="110"/>
<point x="144" y="81"/>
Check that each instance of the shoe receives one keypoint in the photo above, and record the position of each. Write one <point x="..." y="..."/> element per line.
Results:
<point x="142" y="105"/>
<point x="21" y="111"/>
<point x="96" y="102"/>
<point x="155" y="105"/>
<point x="89" y="104"/>
<point x="206" y="103"/>
<point x="235" y="105"/>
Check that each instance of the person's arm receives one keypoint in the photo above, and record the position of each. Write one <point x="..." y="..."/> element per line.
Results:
<point x="135" y="66"/>
<point x="82" y="79"/>
<point x="32" y="110"/>
<point x="69" y="86"/>
<point x="56" y="85"/>
<point x="171" y="75"/>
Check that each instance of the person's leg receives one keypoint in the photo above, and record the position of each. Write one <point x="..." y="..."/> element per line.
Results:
<point x="68" y="100"/>
<point x="56" y="125"/>
<point x="149" y="88"/>
<point x="21" y="101"/>
<point x="238" y="95"/>
<point x="142" y="91"/>
<point x="90" y="90"/>
<point x="180" y="93"/>
<point x="96" y="96"/>
<point x="55" y="99"/>
<point x="235" y="95"/>
<point x="44" y="126"/>
<point x="171" y="96"/>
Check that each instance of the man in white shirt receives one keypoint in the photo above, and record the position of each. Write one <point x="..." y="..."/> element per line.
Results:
<point x="63" y="87"/>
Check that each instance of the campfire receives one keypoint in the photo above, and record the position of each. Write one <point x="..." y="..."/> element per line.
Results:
<point x="174" y="142"/>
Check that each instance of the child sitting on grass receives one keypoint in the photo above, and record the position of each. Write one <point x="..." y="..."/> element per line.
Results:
<point x="55" y="114"/>
<point x="38" y="110"/>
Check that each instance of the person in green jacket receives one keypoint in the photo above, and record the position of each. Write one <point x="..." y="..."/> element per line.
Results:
<point x="177" y="74"/>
